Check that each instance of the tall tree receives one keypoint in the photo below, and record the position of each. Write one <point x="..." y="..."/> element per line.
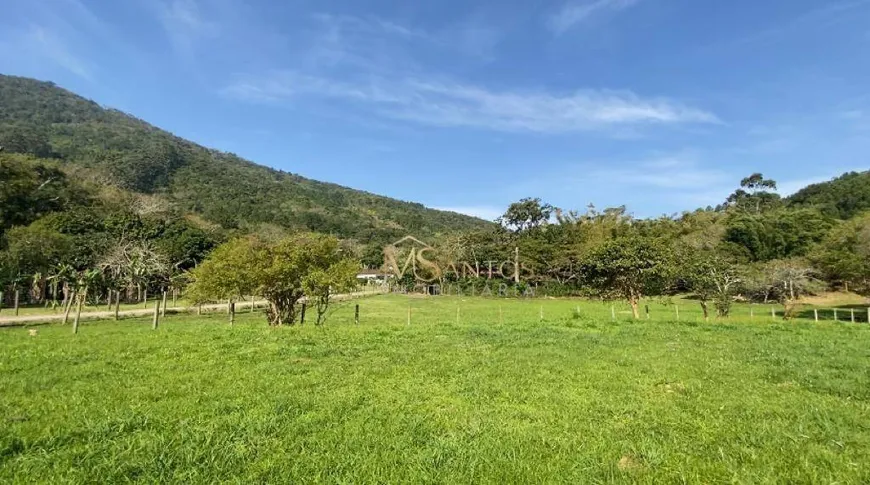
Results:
<point x="526" y="214"/>
<point x="755" y="193"/>
<point x="844" y="255"/>
<point x="630" y="268"/>
<point x="711" y="276"/>
<point x="283" y="272"/>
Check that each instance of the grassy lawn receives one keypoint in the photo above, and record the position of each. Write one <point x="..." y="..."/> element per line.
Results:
<point x="497" y="396"/>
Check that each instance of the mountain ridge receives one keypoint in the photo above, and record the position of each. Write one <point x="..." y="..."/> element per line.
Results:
<point x="42" y="119"/>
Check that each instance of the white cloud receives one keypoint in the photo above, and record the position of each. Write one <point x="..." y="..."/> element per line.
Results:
<point x="649" y="186"/>
<point x="669" y="172"/>
<point x="45" y="44"/>
<point x="185" y="24"/>
<point x="485" y="212"/>
<point x="373" y="39"/>
<point x="462" y="105"/>
<point x="829" y="14"/>
<point x="370" y="25"/>
<point x="574" y="13"/>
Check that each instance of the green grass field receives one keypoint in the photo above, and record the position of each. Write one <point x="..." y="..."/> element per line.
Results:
<point x="494" y="395"/>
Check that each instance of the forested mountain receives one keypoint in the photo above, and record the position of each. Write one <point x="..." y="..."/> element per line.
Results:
<point x="843" y="197"/>
<point x="89" y="192"/>
<point x="40" y="119"/>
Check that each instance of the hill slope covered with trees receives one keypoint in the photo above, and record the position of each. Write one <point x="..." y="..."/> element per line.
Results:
<point x="843" y="197"/>
<point x="42" y="120"/>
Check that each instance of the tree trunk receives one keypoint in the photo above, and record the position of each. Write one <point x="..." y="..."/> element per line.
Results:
<point x="156" y="319"/>
<point x="706" y="310"/>
<point x="633" y="301"/>
<point x="65" y="290"/>
<point x="117" y="304"/>
<point x="79" y="310"/>
<point x="69" y="304"/>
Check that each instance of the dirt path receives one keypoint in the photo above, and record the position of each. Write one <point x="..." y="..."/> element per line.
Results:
<point x="241" y="307"/>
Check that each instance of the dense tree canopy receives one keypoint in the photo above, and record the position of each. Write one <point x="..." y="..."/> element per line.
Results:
<point x="777" y="234"/>
<point x="630" y="268"/>
<point x="844" y="255"/>
<point x="843" y="198"/>
<point x="283" y="272"/>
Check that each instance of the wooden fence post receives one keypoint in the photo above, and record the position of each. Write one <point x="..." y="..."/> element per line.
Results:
<point x="836" y="319"/>
<point x="816" y="314"/>
<point x="751" y="312"/>
<point x="69" y="305"/>
<point x="542" y="313"/>
<point x="117" y="303"/>
<point x="232" y="309"/>
<point x="199" y="309"/>
<point x="612" y="312"/>
<point x="229" y="303"/>
<point x="356" y="314"/>
<point x="868" y="315"/>
<point x="108" y="300"/>
<point x="302" y="319"/>
<point x="457" y="313"/>
<point x="647" y="312"/>
<point x="1" y="300"/>
<point x="852" y="311"/>
<point x="145" y="299"/>
<point x="409" y="313"/>
<point x="79" y="312"/>
<point x="773" y="313"/>
<point x="15" y="301"/>
<point x="677" y="307"/>
<point x="163" y="307"/>
<point x="155" y="320"/>
<point x="253" y="303"/>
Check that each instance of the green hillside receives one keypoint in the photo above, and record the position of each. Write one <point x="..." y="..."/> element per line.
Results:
<point x="43" y="120"/>
<point x="843" y="197"/>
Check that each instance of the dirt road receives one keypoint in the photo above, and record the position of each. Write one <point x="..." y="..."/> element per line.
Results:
<point x="241" y="307"/>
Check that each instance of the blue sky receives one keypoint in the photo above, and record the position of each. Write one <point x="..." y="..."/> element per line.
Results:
<point x="662" y="105"/>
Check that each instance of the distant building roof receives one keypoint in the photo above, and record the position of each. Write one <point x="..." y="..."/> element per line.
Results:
<point x="371" y="273"/>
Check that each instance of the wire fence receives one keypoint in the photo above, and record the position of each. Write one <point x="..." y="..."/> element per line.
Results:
<point x="423" y="309"/>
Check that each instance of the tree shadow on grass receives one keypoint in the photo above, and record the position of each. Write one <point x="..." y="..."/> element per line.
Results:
<point x="842" y="313"/>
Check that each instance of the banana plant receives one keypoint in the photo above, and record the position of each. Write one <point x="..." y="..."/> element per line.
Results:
<point x="62" y="276"/>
